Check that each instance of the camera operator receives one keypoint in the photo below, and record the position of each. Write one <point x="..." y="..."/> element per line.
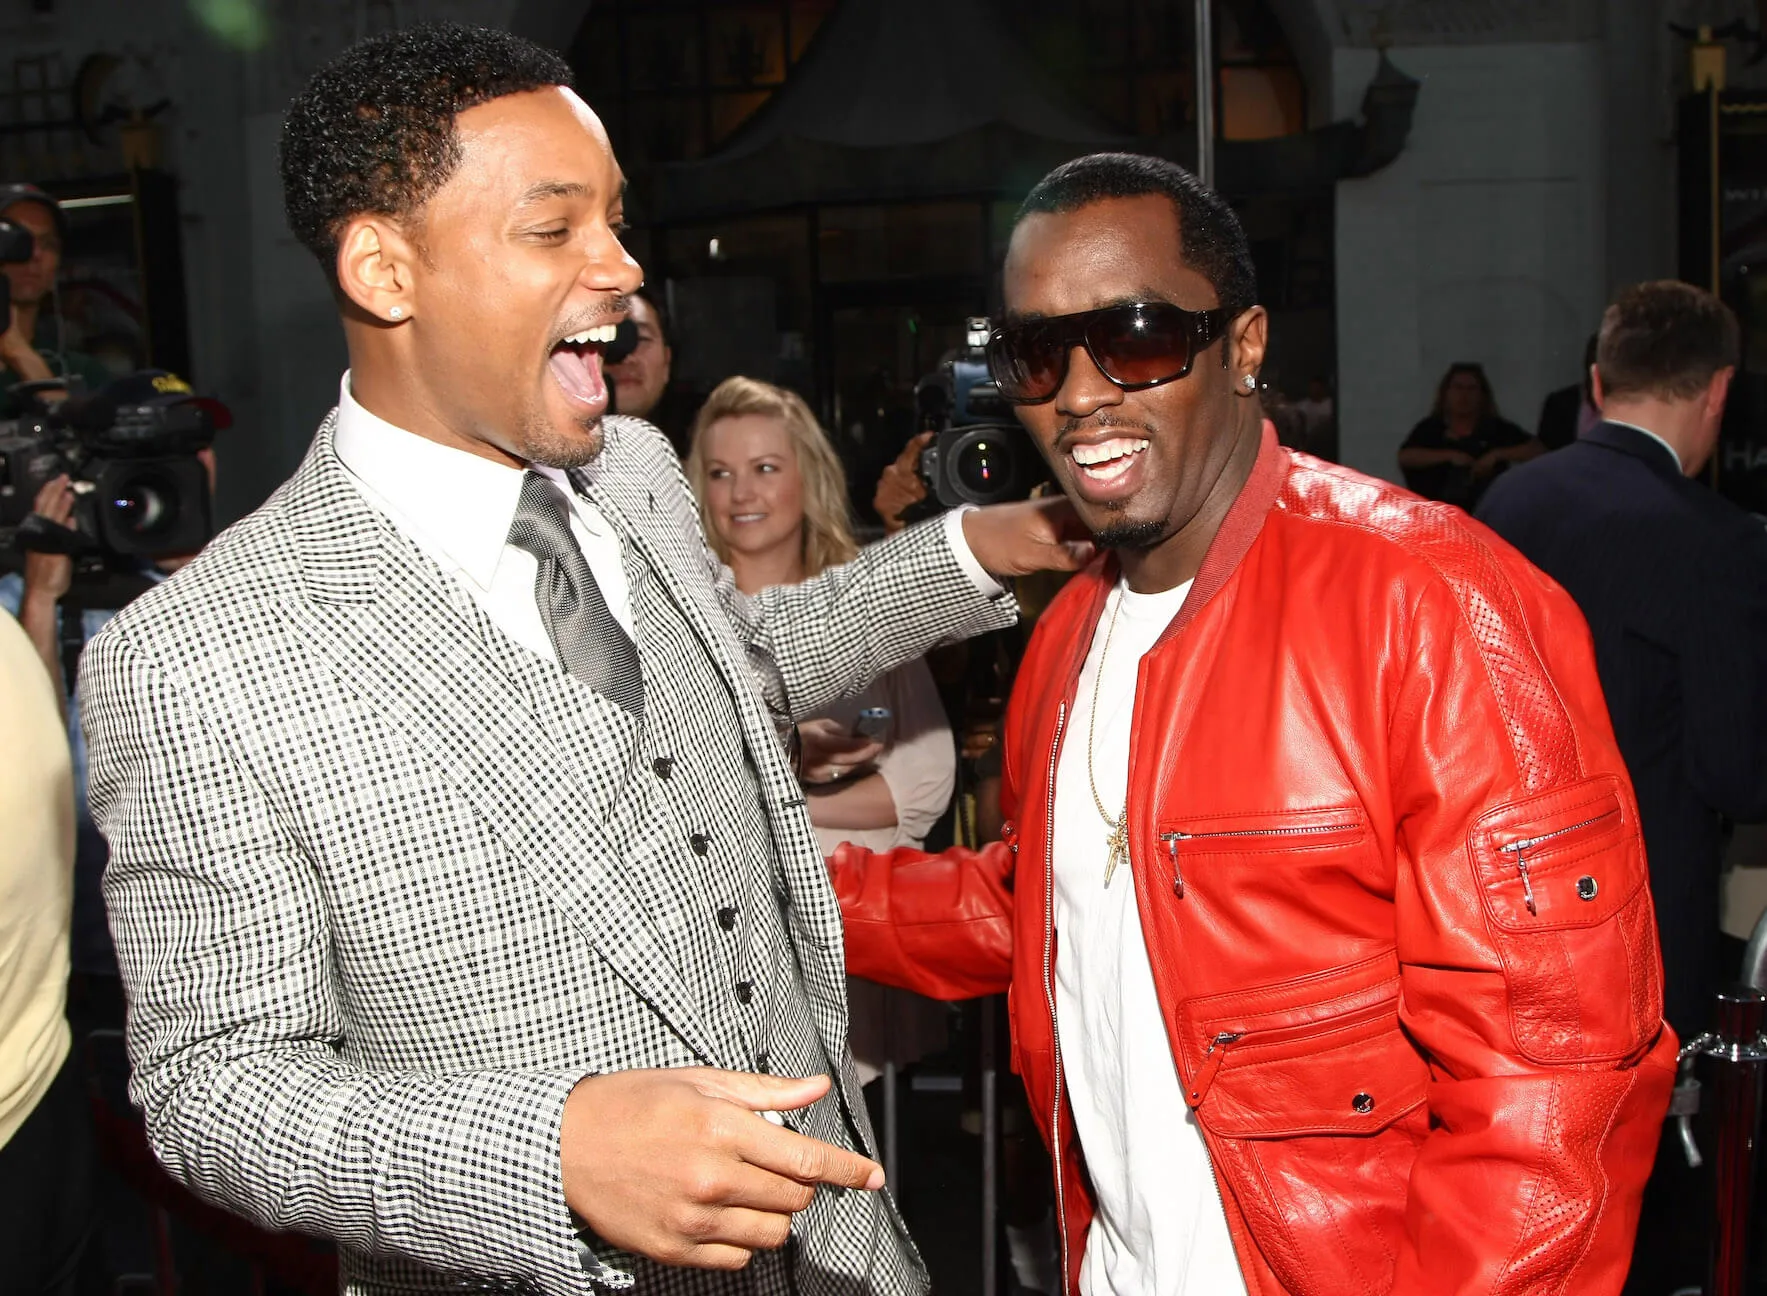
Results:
<point x="31" y="348"/>
<point x="61" y="604"/>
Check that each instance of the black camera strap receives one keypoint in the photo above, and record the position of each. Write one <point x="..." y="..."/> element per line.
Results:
<point x="73" y="639"/>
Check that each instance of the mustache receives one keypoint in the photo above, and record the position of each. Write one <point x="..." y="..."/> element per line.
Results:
<point x="613" y="311"/>
<point x="1074" y="427"/>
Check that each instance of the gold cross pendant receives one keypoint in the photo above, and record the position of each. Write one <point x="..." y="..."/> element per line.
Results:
<point x="1119" y="847"/>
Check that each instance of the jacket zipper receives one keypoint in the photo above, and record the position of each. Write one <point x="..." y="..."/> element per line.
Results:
<point x="1055" y="1133"/>
<point x="1173" y="838"/>
<point x="1213" y="1057"/>
<point x="1521" y="848"/>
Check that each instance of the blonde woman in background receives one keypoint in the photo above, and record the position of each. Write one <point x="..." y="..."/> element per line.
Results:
<point x="774" y="501"/>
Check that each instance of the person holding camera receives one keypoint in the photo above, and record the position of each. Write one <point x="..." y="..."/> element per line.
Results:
<point x="60" y="611"/>
<point x="773" y="497"/>
<point x="27" y="351"/>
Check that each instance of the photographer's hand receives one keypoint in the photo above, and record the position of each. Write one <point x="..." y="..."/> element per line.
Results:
<point x="1037" y="535"/>
<point x="18" y="355"/>
<point x="47" y="577"/>
<point x="900" y="485"/>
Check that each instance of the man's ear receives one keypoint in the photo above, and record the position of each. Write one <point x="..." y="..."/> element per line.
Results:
<point x="1596" y="395"/>
<point x="668" y="360"/>
<point x="376" y="268"/>
<point x="1718" y="391"/>
<point x="1247" y="337"/>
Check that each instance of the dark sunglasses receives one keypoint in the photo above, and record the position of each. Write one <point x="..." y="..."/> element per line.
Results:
<point x="1137" y="346"/>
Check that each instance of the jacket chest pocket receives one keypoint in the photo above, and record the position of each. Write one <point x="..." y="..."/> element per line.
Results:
<point x="1563" y="884"/>
<point x="1307" y="837"/>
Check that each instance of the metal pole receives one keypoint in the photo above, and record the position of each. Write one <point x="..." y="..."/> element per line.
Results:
<point x="990" y="1149"/>
<point x="891" y="1125"/>
<point x="1205" y="91"/>
<point x="1737" y="1052"/>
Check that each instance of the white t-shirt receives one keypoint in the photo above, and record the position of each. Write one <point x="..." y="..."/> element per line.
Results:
<point x="1160" y="1229"/>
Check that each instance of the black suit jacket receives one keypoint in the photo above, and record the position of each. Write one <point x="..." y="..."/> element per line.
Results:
<point x="1673" y="581"/>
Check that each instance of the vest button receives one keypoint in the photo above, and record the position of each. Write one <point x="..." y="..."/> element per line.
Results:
<point x="700" y="843"/>
<point x="745" y="991"/>
<point x="727" y="918"/>
<point x="1363" y="1103"/>
<point x="663" y="766"/>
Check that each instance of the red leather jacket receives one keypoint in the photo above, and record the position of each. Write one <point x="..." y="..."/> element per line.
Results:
<point x="1389" y="870"/>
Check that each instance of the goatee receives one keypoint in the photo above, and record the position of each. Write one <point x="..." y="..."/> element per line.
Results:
<point x="1130" y="535"/>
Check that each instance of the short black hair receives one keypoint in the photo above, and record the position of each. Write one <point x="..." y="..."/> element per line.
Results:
<point x="373" y="130"/>
<point x="1212" y="241"/>
<point x="1664" y="338"/>
<point x="655" y="302"/>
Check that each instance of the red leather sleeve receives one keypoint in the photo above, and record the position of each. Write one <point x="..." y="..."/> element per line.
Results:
<point x="1536" y="993"/>
<point x="940" y="925"/>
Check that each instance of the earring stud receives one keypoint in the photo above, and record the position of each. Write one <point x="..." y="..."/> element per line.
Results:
<point x="397" y="312"/>
<point x="1251" y="383"/>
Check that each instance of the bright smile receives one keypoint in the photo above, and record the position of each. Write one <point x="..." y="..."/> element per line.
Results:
<point x="575" y="362"/>
<point x="1107" y="471"/>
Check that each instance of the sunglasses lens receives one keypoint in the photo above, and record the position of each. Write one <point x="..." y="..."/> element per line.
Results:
<point x="1137" y="346"/>
<point x="1026" y="361"/>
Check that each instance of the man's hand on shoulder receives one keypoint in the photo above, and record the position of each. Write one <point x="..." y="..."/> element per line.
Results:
<point x="1033" y="536"/>
<point x="680" y="1166"/>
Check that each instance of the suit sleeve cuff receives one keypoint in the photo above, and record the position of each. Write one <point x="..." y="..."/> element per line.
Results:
<point x="985" y="584"/>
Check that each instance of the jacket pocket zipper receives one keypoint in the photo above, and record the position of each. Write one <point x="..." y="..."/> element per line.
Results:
<point x="1297" y="830"/>
<point x="1213" y="1056"/>
<point x="1521" y="848"/>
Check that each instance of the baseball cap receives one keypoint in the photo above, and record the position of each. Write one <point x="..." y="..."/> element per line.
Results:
<point x="12" y="194"/>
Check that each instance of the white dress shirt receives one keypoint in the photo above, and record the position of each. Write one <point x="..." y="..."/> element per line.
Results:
<point x="457" y="507"/>
<point x="1160" y="1228"/>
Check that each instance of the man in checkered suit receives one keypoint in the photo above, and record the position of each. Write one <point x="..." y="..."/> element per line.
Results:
<point x="467" y="903"/>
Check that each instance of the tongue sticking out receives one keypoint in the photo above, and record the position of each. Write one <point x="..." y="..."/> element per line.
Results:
<point x="578" y="373"/>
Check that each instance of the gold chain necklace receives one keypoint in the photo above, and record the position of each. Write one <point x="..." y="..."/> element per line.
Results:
<point x="1118" y="841"/>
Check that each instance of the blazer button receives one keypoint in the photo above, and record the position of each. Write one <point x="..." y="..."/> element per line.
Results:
<point x="663" y="766"/>
<point x="761" y="1062"/>
<point x="1363" y="1103"/>
<point x="700" y="843"/>
<point x="745" y="990"/>
<point x="727" y="918"/>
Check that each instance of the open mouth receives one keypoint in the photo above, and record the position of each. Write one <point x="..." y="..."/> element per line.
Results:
<point x="1104" y="462"/>
<point x="747" y="519"/>
<point x="575" y="362"/>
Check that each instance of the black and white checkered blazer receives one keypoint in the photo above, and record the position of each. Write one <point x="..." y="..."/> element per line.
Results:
<point x="371" y="929"/>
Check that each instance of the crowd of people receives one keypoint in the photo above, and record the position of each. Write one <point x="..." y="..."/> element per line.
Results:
<point x="512" y="840"/>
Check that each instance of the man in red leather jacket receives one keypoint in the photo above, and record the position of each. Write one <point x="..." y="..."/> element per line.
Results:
<point x="1321" y="905"/>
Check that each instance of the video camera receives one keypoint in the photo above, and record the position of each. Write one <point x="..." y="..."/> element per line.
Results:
<point x="16" y="247"/>
<point x="130" y="452"/>
<point x="982" y="455"/>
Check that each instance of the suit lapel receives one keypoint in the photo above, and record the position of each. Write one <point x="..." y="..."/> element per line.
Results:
<point x="381" y="618"/>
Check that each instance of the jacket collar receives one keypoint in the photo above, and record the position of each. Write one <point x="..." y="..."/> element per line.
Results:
<point x="1639" y="444"/>
<point x="1244" y="520"/>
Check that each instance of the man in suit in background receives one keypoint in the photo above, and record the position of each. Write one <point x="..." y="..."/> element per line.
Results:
<point x="1673" y="581"/>
<point x="468" y="908"/>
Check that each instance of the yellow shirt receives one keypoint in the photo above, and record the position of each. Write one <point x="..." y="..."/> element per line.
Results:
<point x="36" y="879"/>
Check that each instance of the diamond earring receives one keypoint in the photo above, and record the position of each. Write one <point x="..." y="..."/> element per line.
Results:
<point x="398" y="312"/>
<point x="1251" y="383"/>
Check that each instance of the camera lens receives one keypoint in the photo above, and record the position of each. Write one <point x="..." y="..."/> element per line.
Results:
<point x="143" y="507"/>
<point x="983" y="465"/>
